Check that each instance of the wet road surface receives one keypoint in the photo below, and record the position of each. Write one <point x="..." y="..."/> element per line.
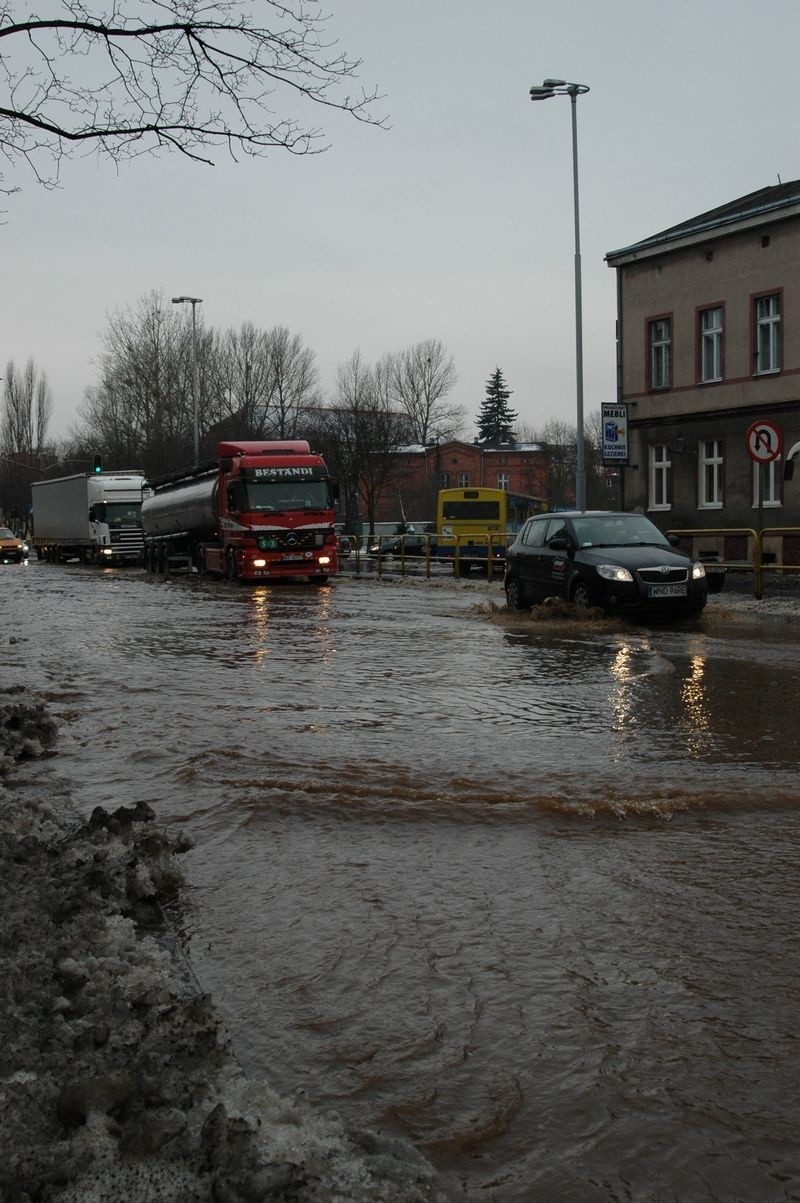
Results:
<point x="524" y="892"/>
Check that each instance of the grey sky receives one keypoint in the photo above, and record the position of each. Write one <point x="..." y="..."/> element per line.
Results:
<point x="455" y="223"/>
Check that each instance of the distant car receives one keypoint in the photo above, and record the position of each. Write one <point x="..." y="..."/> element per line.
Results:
<point x="403" y="545"/>
<point x="12" y="549"/>
<point x="345" y="546"/>
<point x="619" y="561"/>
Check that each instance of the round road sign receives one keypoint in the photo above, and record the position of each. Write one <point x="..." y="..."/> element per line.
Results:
<point x="764" y="441"/>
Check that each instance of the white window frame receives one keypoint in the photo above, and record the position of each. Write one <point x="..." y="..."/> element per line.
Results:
<point x="768" y="333"/>
<point x="773" y="474"/>
<point x="444" y="480"/>
<point x="660" y="477"/>
<point x="463" y="480"/>
<point x="660" y="344"/>
<point x="711" y="344"/>
<point x="710" y="464"/>
<point x="503" y="481"/>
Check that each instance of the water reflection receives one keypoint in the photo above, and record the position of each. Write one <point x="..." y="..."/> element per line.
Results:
<point x="622" y="700"/>
<point x="270" y="606"/>
<point x="695" y="699"/>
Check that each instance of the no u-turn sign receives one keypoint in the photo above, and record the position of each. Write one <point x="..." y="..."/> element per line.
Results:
<point x="764" y="442"/>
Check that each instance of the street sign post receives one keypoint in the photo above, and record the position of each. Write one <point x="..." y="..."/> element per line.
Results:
<point x="764" y="441"/>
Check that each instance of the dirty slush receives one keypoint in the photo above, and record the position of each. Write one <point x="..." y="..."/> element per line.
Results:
<point x="117" y="1080"/>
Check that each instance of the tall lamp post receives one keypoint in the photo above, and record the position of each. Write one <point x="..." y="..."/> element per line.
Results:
<point x="194" y="302"/>
<point x="560" y="87"/>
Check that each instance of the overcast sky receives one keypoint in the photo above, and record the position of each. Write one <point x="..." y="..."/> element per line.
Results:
<point x="456" y="222"/>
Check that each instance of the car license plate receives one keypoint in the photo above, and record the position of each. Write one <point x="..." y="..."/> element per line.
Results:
<point x="292" y="558"/>
<point x="666" y="591"/>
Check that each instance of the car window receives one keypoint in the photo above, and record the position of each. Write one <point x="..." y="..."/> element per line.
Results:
<point x="5" y="533"/>
<point x="618" y="530"/>
<point x="556" y="529"/>
<point x="532" y="535"/>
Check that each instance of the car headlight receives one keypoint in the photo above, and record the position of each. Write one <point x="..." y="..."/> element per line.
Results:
<point x="614" y="572"/>
<point x="698" y="571"/>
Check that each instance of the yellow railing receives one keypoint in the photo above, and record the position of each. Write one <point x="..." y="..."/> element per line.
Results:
<point x="459" y="545"/>
<point x="755" y="562"/>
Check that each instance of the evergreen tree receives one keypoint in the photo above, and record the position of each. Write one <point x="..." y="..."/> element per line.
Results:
<point x="496" y="420"/>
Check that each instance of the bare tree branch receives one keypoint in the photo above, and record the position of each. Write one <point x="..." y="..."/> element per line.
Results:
<point x="193" y="76"/>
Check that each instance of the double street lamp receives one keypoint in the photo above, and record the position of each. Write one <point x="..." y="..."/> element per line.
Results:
<point x="544" y="91"/>
<point x="194" y="302"/>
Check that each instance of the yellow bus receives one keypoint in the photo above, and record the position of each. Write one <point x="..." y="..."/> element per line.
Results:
<point x="475" y="526"/>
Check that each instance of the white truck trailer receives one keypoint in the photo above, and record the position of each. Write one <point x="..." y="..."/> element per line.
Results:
<point x="94" y="518"/>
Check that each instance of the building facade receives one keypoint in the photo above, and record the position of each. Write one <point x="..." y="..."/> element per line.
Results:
<point x="708" y="357"/>
<point x="422" y="471"/>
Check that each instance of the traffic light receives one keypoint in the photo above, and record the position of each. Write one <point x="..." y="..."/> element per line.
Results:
<point x="98" y="464"/>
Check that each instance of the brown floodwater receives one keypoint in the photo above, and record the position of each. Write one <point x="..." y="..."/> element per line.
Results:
<point x="525" y="892"/>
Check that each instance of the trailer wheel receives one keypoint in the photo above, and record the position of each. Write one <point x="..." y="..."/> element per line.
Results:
<point x="230" y="565"/>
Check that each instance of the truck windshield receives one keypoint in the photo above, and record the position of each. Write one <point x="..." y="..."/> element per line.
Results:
<point x="119" y="513"/>
<point x="274" y="496"/>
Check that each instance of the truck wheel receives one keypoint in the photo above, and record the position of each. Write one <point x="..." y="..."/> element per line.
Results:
<point x="230" y="566"/>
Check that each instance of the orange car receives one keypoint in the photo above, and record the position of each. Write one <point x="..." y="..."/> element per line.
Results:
<point x="12" y="549"/>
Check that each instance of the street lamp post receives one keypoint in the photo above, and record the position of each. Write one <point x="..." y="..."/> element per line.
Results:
<point x="194" y="302"/>
<point x="560" y="87"/>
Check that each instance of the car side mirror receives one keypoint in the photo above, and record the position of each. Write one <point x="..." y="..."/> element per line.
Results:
<point x="559" y="543"/>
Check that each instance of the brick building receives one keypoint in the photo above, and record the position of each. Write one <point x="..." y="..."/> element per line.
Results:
<point x="422" y="471"/>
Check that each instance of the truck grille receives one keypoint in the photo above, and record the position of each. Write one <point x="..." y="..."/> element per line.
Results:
<point x="298" y="540"/>
<point x="127" y="541"/>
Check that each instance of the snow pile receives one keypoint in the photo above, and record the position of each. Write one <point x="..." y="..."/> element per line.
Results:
<point x="117" y="1081"/>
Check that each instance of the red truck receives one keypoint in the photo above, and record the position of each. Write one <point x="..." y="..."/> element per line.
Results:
<point x="259" y="511"/>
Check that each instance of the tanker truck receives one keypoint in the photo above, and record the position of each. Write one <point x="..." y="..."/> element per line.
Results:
<point x="258" y="511"/>
<point x="94" y="518"/>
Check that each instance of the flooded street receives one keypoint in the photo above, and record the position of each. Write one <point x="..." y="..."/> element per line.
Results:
<point x="524" y="892"/>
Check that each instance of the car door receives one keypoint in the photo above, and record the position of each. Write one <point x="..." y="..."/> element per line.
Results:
<point x="553" y="562"/>
<point x="528" y="548"/>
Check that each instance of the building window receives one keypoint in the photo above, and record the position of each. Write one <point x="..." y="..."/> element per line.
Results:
<point x="660" y="340"/>
<point x="660" y="466"/>
<point x="463" y="480"/>
<point x="710" y="465"/>
<point x="502" y="480"/>
<point x="711" y="344"/>
<point x="771" y="482"/>
<point x="767" y="352"/>
<point x="444" y="480"/>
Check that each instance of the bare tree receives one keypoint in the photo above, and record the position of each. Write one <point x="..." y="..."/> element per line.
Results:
<point x="421" y="377"/>
<point x="240" y="374"/>
<point x="174" y="74"/>
<point x="140" y="413"/>
<point x="558" y="440"/>
<point x="293" y="382"/>
<point x="27" y="408"/>
<point x="359" y="434"/>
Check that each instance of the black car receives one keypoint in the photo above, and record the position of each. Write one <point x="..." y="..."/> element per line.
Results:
<point x="404" y="545"/>
<point x="621" y="562"/>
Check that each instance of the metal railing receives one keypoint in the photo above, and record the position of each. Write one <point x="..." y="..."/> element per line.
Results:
<point x="457" y="552"/>
<point x="755" y="561"/>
